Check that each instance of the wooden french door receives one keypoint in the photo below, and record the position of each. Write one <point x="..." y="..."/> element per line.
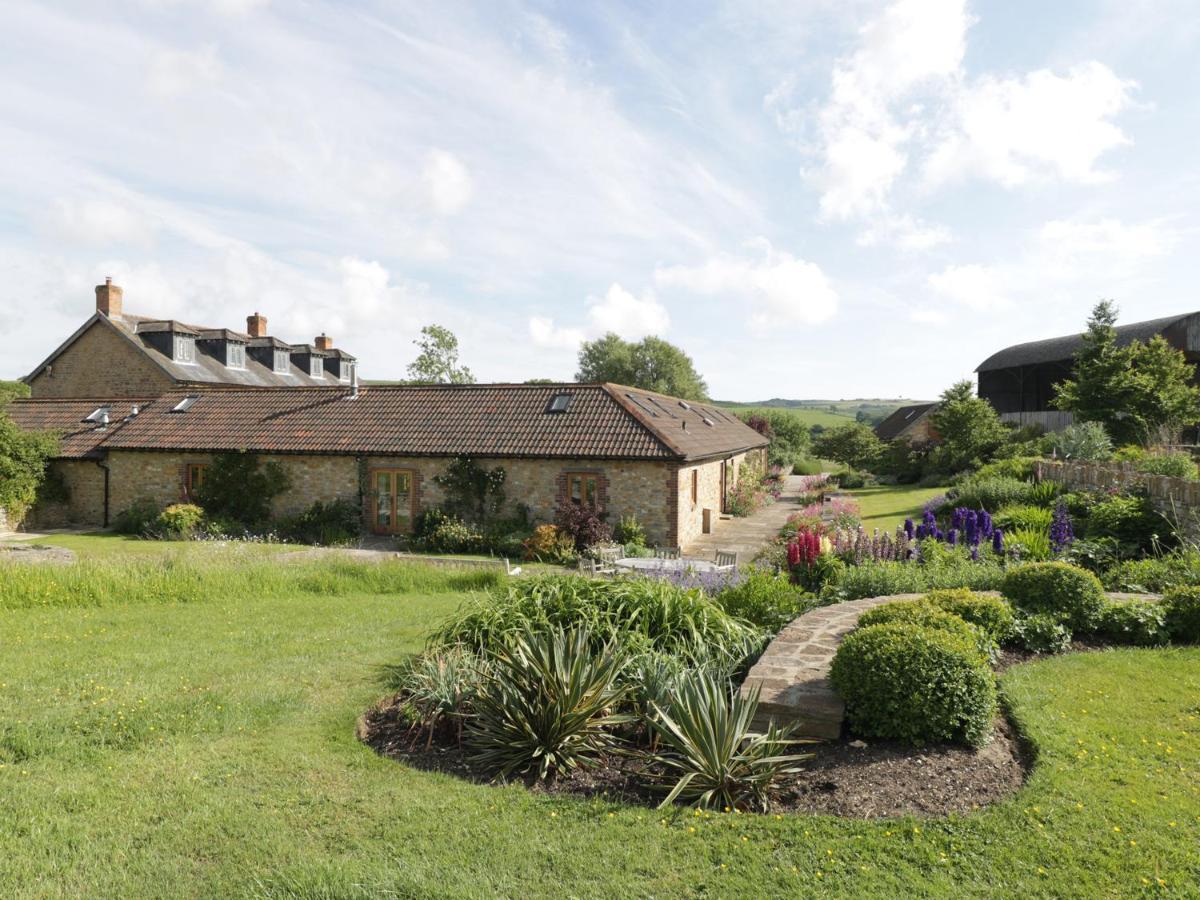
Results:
<point x="391" y="501"/>
<point x="727" y="482"/>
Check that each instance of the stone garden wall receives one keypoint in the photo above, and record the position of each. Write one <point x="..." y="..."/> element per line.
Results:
<point x="1176" y="498"/>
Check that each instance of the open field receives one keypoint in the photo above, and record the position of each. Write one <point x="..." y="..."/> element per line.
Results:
<point x="809" y="417"/>
<point x="206" y="748"/>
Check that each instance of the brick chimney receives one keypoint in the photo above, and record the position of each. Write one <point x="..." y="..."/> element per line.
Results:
<point x="323" y="342"/>
<point x="108" y="299"/>
<point x="256" y="325"/>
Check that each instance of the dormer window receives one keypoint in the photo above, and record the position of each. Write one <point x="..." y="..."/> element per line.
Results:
<point x="235" y="356"/>
<point x="346" y="371"/>
<point x="184" y="349"/>
<point x="316" y="367"/>
<point x="282" y="361"/>
<point x="99" y="415"/>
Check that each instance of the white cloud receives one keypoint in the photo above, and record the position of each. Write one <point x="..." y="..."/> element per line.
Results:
<point x="629" y="316"/>
<point x="447" y="182"/>
<point x="904" y="232"/>
<point x="94" y="220"/>
<point x="545" y="333"/>
<point x="1015" y="129"/>
<point x="903" y="102"/>
<point x="777" y="286"/>
<point x="974" y="286"/>
<point x="175" y="72"/>
<point x="1106" y="244"/>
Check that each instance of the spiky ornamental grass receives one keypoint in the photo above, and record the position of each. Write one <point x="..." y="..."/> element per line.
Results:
<point x="710" y="751"/>
<point x="548" y="705"/>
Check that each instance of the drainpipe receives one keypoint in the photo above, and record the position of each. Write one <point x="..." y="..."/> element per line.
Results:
<point x="100" y="462"/>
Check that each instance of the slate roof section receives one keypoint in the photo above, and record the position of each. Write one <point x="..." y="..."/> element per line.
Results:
<point x="602" y="421"/>
<point x="79" y="438"/>
<point x="1065" y="347"/>
<point x="205" y="370"/>
<point x="906" y="416"/>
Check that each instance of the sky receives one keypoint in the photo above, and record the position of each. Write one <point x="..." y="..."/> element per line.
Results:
<point x="813" y="199"/>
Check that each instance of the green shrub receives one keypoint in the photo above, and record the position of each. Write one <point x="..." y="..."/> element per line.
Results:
<point x="338" y="522"/>
<point x="1029" y="544"/>
<point x="918" y="612"/>
<point x="1019" y="467"/>
<point x="451" y="536"/>
<point x="850" y="480"/>
<point x="915" y="684"/>
<point x="179" y="520"/>
<point x="1059" y="589"/>
<point x="641" y="614"/>
<point x="549" y="544"/>
<point x="1044" y="493"/>
<point x="1037" y="518"/>
<point x="992" y="494"/>
<point x="1171" y="465"/>
<point x="1139" y="622"/>
<point x="138" y="518"/>
<point x="238" y="487"/>
<point x="1083" y="441"/>
<point x="1182" y="608"/>
<point x="1041" y="633"/>
<point x="765" y="599"/>
<point x="941" y="569"/>
<point x="1131" y="520"/>
<point x="547" y="704"/>
<point x="1156" y="574"/>
<point x="992" y="614"/>
<point x="629" y="531"/>
<point x="714" y="753"/>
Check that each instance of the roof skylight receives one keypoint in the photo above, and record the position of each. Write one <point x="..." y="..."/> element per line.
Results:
<point x="559" y="403"/>
<point x="185" y="404"/>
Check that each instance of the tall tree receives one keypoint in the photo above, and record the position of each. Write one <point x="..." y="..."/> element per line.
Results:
<point x="651" y="364"/>
<point x="1141" y="393"/>
<point x="24" y="456"/>
<point x="968" y="430"/>
<point x="852" y="444"/>
<point x="437" y="363"/>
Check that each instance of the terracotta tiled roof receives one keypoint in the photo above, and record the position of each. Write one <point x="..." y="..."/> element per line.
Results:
<point x="600" y="421"/>
<point x="79" y="438"/>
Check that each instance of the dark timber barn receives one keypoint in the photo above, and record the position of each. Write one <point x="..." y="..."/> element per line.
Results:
<point x="1019" y="380"/>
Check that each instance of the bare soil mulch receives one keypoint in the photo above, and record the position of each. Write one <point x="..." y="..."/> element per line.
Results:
<point x="849" y="778"/>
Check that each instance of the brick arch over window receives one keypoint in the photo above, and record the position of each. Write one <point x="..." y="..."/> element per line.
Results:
<point x="563" y="492"/>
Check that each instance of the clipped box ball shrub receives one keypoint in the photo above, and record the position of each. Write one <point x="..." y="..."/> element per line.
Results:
<point x="1181" y="607"/>
<point x="1041" y="633"/>
<point x="1142" y="623"/>
<point x="918" y="612"/>
<point x="915" y="684"/>
<point x="992" y="614"/>
<point x="1073" y="595"/>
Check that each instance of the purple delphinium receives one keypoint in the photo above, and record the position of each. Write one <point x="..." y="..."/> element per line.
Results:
<point x="908" y="528"/>
<point x="998" y="540"/>
<point x="1062" y="530"/>
<point x="952" y="537"/>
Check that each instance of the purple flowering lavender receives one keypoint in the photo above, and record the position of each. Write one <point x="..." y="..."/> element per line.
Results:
<point x="1062" y="530"/>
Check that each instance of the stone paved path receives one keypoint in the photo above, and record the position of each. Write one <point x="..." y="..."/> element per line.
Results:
<point x="793" y="672"/>
<point x="746" y="536"/>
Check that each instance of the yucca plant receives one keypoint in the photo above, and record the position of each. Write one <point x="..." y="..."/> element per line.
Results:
<point x="439" y="687"/>
<point x="549" y="704"/>
<point x="711" y="751"/>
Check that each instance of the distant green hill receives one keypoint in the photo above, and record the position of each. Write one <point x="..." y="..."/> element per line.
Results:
<point x="827" y="413"/>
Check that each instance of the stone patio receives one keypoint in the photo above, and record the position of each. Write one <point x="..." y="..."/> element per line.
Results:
<point x="746" y="536"/>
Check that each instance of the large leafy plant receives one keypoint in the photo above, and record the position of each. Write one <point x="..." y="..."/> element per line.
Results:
<point x="712" y="752"/>
<point x="549" y="705"/>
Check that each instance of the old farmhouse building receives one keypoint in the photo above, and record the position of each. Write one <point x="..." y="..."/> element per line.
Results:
<point x="1019" y="381"/>
<point x="623" y="451"/>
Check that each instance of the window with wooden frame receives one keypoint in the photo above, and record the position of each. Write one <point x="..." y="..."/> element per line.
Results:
<point x="695" y="486"/>
<point x="193" y="478"/>
<point x="583" y="489"/>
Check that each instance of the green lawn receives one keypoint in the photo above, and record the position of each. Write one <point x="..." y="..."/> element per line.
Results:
<point x="206" y="748"/>
<point x="886" y="506"/>
<point x="105" y="544"/>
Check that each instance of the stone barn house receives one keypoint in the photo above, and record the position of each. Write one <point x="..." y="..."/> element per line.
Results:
<point x="626" y="452"/>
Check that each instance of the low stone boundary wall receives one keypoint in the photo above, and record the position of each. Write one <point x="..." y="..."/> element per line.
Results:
<point x="1176" y="498"/>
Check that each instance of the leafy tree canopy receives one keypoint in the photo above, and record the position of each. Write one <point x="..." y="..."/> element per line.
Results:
<point x="238" y="488"/>
<point x="437" y="363"/>
<point x="853" y="444"/>
<point x="968" y="428"/>
<point x="24" y="456"/>
<point x="1141" y="393"/>
<point x="786" y="431"/>
<point x="651" y="364"/>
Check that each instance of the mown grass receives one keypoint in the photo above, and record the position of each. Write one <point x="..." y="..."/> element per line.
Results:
<point x="105" y="544"/>
<point x="886" y="506"/>
<point x="207" y="748"/>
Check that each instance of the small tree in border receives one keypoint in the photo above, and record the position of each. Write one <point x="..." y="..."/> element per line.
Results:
<point x="473" y="493"/>
<point x="238" y="488"/>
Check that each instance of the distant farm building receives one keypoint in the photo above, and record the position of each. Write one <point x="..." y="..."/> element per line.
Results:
<point x="1019" y="381"/>
<point x="909" y="423"/>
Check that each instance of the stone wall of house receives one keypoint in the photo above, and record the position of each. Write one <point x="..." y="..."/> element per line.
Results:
<point x="101" y="363"/>
<point x="84" y="506"/>
<point x="1176" y="498"/>
<point x="647" y="490"/>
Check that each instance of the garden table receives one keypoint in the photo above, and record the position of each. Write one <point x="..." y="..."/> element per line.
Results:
<point x="645" y="564"/>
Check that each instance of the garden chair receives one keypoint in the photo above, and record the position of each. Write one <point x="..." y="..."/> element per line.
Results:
<point x="667" y="552"/>
<point x="726" y="560"/>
